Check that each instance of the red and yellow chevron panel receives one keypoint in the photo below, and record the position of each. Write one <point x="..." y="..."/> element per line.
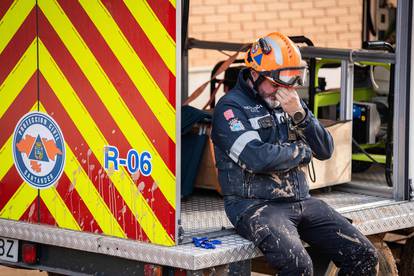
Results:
<point x="87" y="114"/>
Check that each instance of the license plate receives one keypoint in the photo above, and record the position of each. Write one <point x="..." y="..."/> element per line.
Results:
<point x="9" y="249"/>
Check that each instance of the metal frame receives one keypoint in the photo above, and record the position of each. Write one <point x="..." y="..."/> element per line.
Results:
<point x="401" y="100"/>
<point x="411" y="110"/>
<point x="183" y="33"/>
<point x="233" y="249"/>
<point x="178" y="85"/>
<point x="348" y="54"/>
<point x="347" y="90"/>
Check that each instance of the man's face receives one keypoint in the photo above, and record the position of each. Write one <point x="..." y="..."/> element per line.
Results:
<point x="268" y="90"/>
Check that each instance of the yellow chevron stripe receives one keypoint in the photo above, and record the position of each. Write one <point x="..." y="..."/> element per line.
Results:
<point x="6" y="157"/>
<point x="19" y="202"/>
<point x="17" y="78"/>
<point x="95" y="139"/>
<point x="155" y="31"/>
<point x="151" y="93"/>
<point x="109" y="96"/>
<point x="58" y="209"/>
<point x="172" y="2"/>
<point x="12" y="20"/>
<point x="85" y="188"/>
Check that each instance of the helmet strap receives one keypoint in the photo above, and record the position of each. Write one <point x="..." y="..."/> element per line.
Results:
<point x="256" y="83"/>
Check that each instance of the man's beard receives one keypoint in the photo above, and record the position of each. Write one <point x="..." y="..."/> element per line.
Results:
<point x="270" y="100"/>
<point x="271" y="103"/>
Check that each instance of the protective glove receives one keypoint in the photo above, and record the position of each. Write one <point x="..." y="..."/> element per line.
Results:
<point x="305" y="151"/>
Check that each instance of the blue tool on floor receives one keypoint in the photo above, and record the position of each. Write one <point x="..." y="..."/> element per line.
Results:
<point x="205" y="242"/>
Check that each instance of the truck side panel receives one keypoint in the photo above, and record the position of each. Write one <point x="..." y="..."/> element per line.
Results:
<point x="107" y="78"/>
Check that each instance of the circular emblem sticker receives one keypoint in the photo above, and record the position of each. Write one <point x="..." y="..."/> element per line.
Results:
<point x="38" y="150"/>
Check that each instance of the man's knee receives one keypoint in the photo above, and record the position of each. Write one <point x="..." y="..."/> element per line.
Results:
<point x="369" y="257"/>
<point x="364" y="261"/>
<point x="297" y="264"/>
<point x="285" y="258"/>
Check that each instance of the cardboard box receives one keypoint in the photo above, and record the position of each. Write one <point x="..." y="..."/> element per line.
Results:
<point x="207" y="176"/>
<point x="337" y="169"/>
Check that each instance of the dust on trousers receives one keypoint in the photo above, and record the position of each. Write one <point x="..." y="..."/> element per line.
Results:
<point x="277" y="228"/>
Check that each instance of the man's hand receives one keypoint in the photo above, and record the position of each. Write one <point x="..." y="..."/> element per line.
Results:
<point x="289" y="100"/>
<point x="305" y="151"/>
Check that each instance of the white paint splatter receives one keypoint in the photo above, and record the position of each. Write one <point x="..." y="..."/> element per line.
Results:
<point x="31" y="211"/>
<point x="258" y="212"/>
<point x="141" y="186"/>
<point x="356" y="240"/>
<point x="123" y="210"/>
<point x="135" y="176"/>
<point x="154" y="187"/>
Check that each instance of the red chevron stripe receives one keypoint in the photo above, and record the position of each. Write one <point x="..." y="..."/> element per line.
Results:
<point x="45" y="215"/>
<point x="165" y="13"/>
<point x="4" y="6"/>
<point x="89" y="164"/>
<point x="76" y="206"/>
<point x="164" y="145"/>
<point x="31" y="214"/>
<point x="17" y="45"/>
<point x="21" y="105"/>
<point x="9" y="185"/>
<point x="142" y="46"/>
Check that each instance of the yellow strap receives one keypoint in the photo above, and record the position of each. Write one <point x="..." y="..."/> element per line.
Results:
<point x="13" y="19"/>
<point x="17" y="78"/>
<point x="97" y="142"/>
<point x="148" y="88"/>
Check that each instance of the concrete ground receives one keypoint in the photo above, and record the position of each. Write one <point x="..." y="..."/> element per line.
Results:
<point x="7" y="271"/>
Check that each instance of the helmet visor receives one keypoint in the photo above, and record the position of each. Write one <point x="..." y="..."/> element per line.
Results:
<point x="292" y="76"/>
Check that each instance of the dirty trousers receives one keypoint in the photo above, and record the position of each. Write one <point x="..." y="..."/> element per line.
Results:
<point x="278" y="228"/>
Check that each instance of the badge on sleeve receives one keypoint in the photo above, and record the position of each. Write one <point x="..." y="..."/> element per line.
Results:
<point x="236" y="125"/>
<point x="228" y="114"/>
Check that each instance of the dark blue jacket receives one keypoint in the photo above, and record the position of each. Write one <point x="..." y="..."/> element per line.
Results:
<point x="256" y="157"/>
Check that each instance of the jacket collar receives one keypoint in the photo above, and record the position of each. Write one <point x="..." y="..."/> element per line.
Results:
<point x="243" y="86"/>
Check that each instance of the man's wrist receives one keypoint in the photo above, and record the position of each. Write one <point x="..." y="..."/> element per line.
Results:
<point x="298" y="115"/>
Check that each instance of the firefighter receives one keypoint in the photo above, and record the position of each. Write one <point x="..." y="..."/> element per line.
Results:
<point x="264" y="135"/>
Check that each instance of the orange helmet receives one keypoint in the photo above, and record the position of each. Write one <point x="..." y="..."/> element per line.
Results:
<point x="277" y="58"/>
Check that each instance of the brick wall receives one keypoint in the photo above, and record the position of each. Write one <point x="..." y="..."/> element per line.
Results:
<point x="328" y="23"/>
